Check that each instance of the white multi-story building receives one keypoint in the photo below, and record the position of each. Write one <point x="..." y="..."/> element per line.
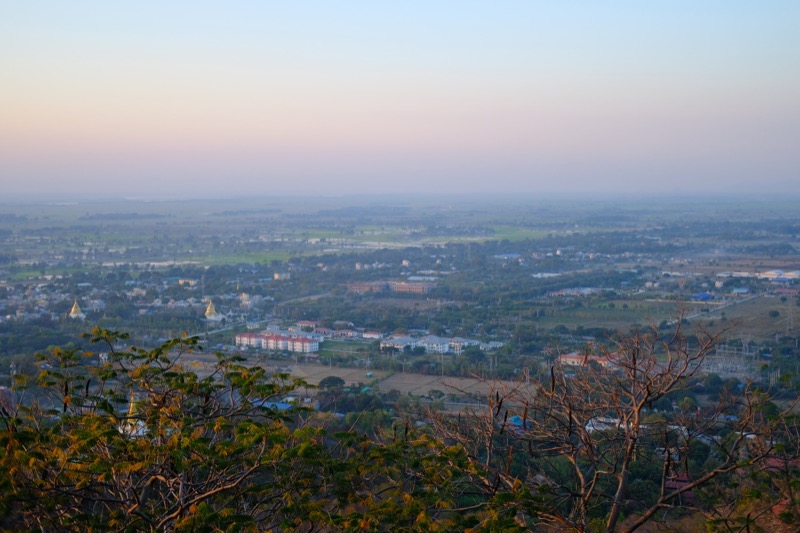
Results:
<point x="434" y="344"/>
<point x="274" y="341"/>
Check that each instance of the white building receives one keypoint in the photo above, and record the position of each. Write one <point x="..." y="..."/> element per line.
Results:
<point x="434" y="344"/>
<point x="274" y="341"/>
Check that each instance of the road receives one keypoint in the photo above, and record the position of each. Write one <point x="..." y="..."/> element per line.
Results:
<point x="730" y="303"/>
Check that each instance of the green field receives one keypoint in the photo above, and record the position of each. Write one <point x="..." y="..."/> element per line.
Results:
<point x="343" y="349"/>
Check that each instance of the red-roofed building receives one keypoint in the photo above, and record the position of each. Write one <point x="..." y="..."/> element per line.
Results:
<point x="676" y="483"/>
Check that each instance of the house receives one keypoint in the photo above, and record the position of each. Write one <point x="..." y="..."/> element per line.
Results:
<point x="346" y="333"/>
<point x="322" y="333"/>
<point x="783" y="291"/>
<point x="601" y="423"/>
<point x="399" y="342"/>
<point x="678" y="482"/>
<point x="583" y="359"/>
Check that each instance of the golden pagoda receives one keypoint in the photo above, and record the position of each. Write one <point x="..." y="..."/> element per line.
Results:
<point x="132" y="426"/>
<point x="132" y="409"/>
<point x="75" y="312"/>
<point x="211" y="313"/>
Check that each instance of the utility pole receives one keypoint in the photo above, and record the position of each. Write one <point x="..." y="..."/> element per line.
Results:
<point x="202" y="299"/>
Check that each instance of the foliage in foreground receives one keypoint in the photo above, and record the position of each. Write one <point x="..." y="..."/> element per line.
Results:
<point x="132" y="440"/>
<point x="140" y="443"/>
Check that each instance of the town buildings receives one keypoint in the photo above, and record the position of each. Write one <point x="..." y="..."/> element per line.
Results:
<point x="435" y="344"/>
<point x="278" y="341"/>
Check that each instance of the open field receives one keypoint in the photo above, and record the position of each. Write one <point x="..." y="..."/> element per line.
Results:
<point x="621" y="315"/>
<point x="313" y="373"/>
<point x="421" y="385"/>
<point x="407" y="383"/>
<point x="751" y="319"/>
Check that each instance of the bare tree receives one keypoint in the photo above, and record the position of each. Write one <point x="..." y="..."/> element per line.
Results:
<point x="589" y="447"/>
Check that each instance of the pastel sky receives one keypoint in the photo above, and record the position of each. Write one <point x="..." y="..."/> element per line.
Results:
<point x="208" y="98"/>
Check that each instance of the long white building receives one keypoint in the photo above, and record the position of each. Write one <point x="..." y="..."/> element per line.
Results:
<point x="274" y="341"/>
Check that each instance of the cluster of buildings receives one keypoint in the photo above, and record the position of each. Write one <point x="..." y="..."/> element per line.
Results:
<point x="578" y="291"/>
<point x="306" y="336"/>
<point x="584" y="359"/>
<point x="346" y="333"/>
<point x="776" y="275"/>
<point x="57" y="297"/>
<point x="436" y="344"/>
<point x="399" y="287"/>
<point x="45" y="300"/>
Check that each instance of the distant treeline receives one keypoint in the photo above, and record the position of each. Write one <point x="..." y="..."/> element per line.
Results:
<point x="11" y="217"/>
<point x="121" y="216"/>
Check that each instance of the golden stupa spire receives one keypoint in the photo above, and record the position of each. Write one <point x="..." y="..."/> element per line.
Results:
<point x="76" y="312"/>
<point x="132" y="410"/>
<point x="133" y="427"/>
<point x="210" y="311"/>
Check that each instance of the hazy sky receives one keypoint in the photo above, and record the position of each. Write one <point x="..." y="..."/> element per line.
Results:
<point x="196" y="98"/>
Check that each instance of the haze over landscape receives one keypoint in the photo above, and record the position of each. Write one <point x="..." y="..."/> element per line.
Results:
<point x="400" y="266"/>
<point x="199" y="99"/>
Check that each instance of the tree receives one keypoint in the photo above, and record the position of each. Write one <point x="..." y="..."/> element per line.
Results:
<point x="766" y="495"/>
<point x="565" y="455"/>
<point x="140" y="443"/>
<point x="712" y="383"/>
<point x="331" y="382"/>
<point x="687" y="404"/>
<point x="136" y="441"/>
